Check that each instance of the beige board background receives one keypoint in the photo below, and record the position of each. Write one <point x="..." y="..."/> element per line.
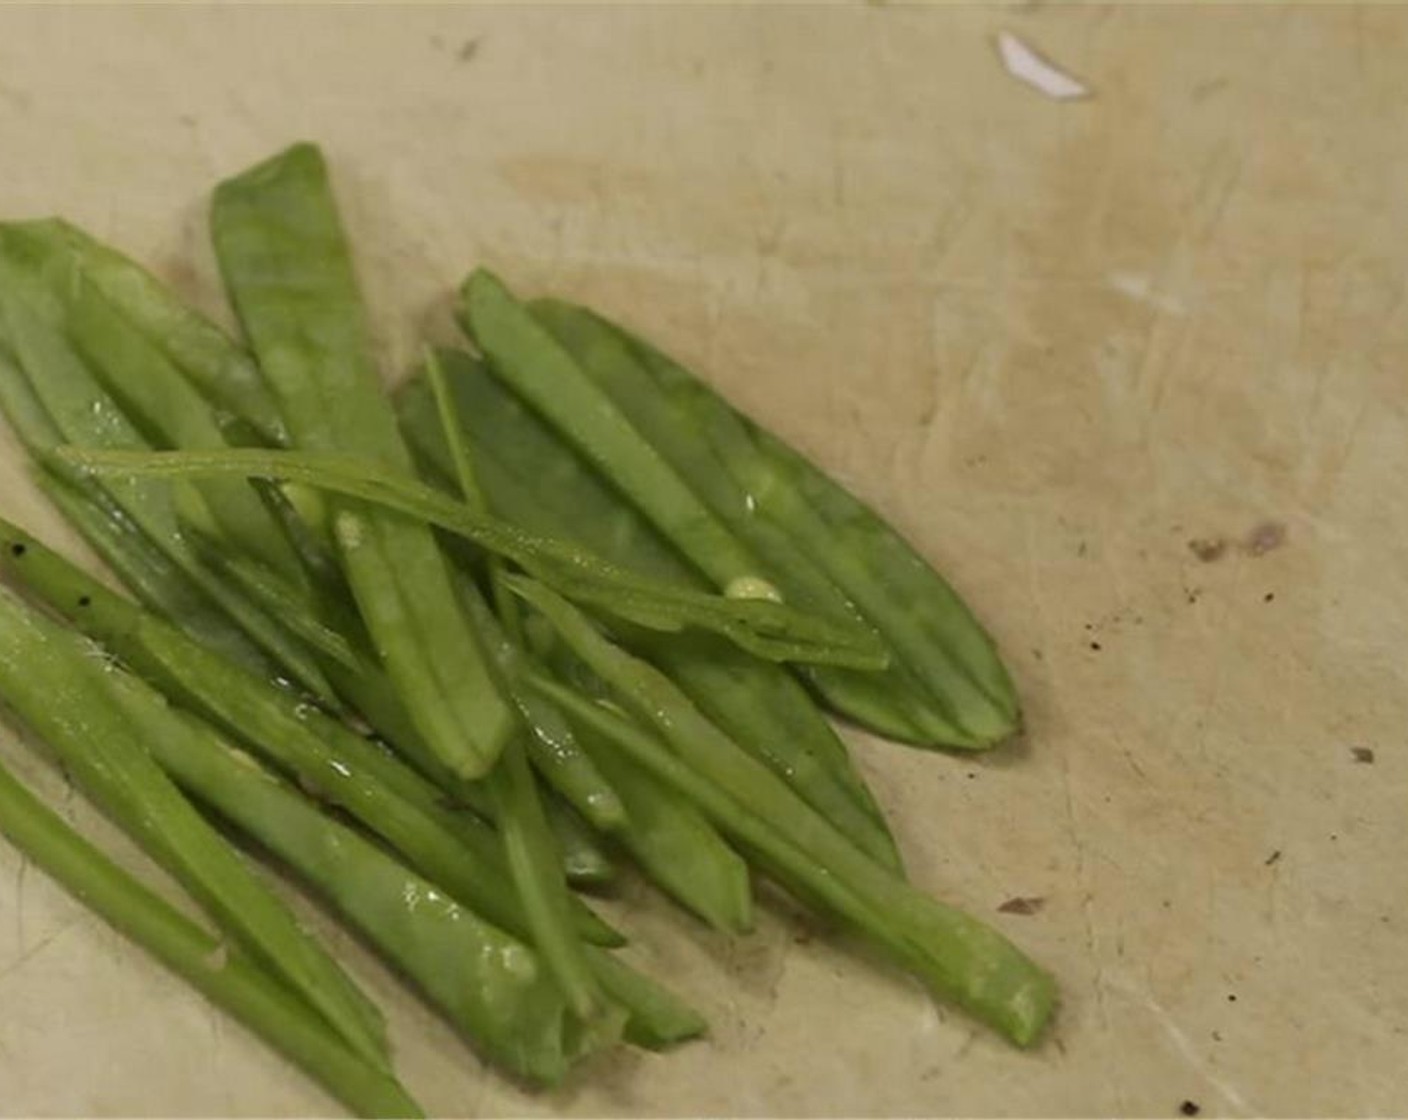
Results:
<point x="1055" y="342"/>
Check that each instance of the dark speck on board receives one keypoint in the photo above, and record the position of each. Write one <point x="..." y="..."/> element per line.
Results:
<point x="1362" y="754"/>
<point x="468" y="49"/>
<point x="1022" y="905"/>
<point x="1274" y="857"/>
<point x="1207" y="549"/>
<point x="17" y="549"/>
<point x="1189" y="1108"/>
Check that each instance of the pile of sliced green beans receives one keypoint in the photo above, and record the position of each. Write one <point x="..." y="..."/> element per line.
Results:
<point x="448" y="659"/>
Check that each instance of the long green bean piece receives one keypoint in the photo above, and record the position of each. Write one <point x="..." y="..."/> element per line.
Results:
<point x="229" y="980"/>
<point x="960" y="958"/>
<point x="530" y="475"/>
<point x="287" y="267"/>
<point x="945" y="685"/>
<point x="768" y="629"/>
<point x="55" y="681"/>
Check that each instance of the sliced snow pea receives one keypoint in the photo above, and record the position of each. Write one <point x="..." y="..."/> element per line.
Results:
<point x="769" y="629"/>
<point x="55" y="681"/>
<point x="946" y="685"/>
<point x="527" y="357"/>
<point x="288" y="270"/>
<point x="147" y="572"/>
<point x="552" y="747"/>
<point x="487" y="983"/>
<point x="533" y="857"/>
<point x="958" y="957"/>
<point x="230" y="981"/>
<point x="676" y="846"/>
<point x="151" y="576"/>
<point x="171" y="413"/>
<point x="219" y="368"/>
<point x="32" y="321"/>
<point x="328" y="760"/>
<point x="658" y="1018"/>
<point x="531" y="475"/>
<point x="534" y="865"/>
<point x="764" y="709"/>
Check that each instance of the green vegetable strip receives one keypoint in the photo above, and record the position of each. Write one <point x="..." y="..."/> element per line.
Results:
<point x="56" y="682"/>
<point x="487" y="983"/>
<point x="230" y="981"/>
<point x="335" y="764"/>
<point x="532" y="857"/>
<point x="551" y="746"/>
<point x="140" y="565"/>
<point x="768" y="629"/>
<point x="287" y="266"/>
<point x="529" y="472"/>
<point x="946" y="675"/>
<point x="677" y="847"/>
<point x="150" y="576"/>
<point x="531" y="475"/>
<point x="222" y="371"/>
<point x="584" y="861"/>
<point x="890" y="703"/>
<point x="527" y="357"/>
<point x="171" y="413"/>
<point x="534" y="865"/>
<point x="31" y="319"/>
<point x="286" y="602"/>
<point x="766" y="711"/>
<point x="658" y="1018"/>
<point x="957" y="956"/>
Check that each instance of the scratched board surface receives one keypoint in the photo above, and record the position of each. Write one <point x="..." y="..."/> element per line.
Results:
<point x="1130" y="366"/>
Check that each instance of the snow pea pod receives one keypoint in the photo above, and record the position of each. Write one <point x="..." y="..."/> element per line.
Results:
<point x="533" y="858"/>
<point x="658" y="1019"/>
<point x="231" y="981"/>
<point x="487" y="983"/>
<point x="333" y="763"/>
<point x="946" y="684"/>
<point x="219" y="368"/>
<point x="288" y="269"/>
<point x="528" y="358"/>
<point x="676" y="846"/>
<point x="531" y="475"/>
<point x="551" y="745"/>
<point x="171" y="413"/>
<point x="958" y="957"/>
<point x="150" y="575"/>
<point x="55" y="681"/>
<point x="32" y="320"/>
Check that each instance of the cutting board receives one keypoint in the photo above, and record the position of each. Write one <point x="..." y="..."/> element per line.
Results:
<point x="1130" y="367"/>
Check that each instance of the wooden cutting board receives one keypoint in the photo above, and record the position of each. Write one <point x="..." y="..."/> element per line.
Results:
<point x="1131" y="367"/>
